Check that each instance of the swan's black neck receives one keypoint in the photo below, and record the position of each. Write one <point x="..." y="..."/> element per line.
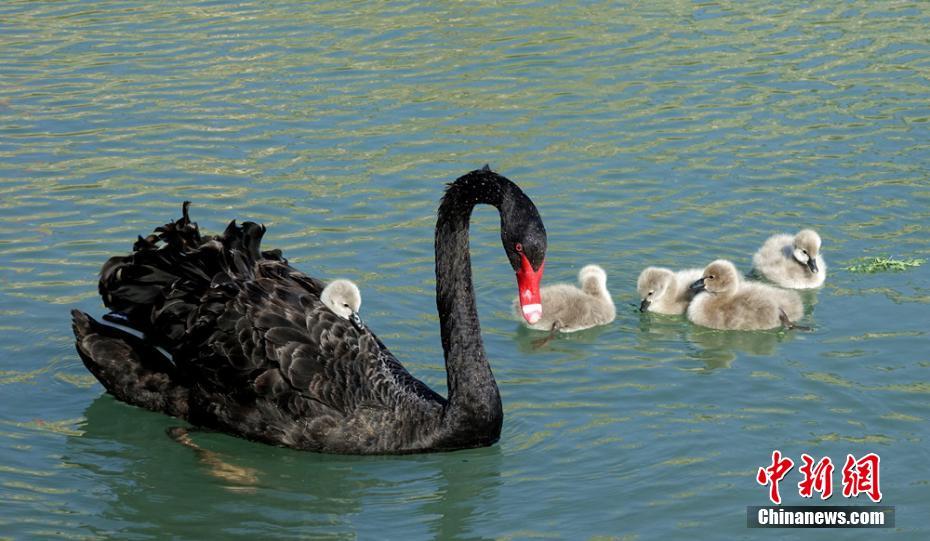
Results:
<point x="475" y="411"/>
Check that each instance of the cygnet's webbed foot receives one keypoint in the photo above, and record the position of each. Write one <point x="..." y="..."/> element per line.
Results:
<point x="540" y="342"/>
<point x="788" y="325"/>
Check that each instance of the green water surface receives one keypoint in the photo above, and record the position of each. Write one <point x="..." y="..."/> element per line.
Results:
<point x="648" y="133"/>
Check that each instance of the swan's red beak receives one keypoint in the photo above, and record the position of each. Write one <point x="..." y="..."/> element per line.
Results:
<point x="528" y="286"/>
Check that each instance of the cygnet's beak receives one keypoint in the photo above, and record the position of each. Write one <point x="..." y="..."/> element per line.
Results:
<point x="643" y="306"/>
<point x="698" y="286"/>
<point x="812" y="265"/>
<point x="356" y="321"/>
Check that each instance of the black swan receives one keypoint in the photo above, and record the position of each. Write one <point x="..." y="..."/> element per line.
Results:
<point x="252" y="351"/>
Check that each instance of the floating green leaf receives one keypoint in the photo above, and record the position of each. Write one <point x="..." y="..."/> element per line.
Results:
<point x="881" y="264"/>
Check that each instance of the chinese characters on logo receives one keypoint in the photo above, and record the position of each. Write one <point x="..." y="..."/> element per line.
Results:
<point x="817" y="478"/>
<point x="859" y="476"/>
<point x="773" y="474"/>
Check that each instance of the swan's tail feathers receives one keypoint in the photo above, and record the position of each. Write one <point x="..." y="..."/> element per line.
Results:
<point x="160" y="285"/>
<point x="181" y="233"/>
<point x="242" y="247"/>
<point x="788" y="324"/>
<point x="172" y="254"/>
<point x="129" y="369"/>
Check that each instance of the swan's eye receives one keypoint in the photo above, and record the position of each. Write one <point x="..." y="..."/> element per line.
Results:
<point x="518" y="248"/>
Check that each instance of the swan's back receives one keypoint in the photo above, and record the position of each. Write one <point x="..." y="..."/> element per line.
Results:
<point x="253" y="349"/>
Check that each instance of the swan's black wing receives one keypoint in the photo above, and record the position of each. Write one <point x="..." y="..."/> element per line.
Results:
<point x="259" y="352"/>
<point x="278" y="344"/>
<point x="131" y="369"/>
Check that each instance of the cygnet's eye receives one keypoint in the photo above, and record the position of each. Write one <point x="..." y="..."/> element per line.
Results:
<point x="805" y="251"/>
<point x="346" y="305"/>
<point x="710" y="277"/>
<point x="650" y="293"/>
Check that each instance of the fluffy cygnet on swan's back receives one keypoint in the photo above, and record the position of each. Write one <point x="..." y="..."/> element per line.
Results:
<point x="792" y="261"/>
<point x="726" y="301"/>
<point x="664" y="291"/>
<point x="567" y="308"/>
<point x="344" y="298"/>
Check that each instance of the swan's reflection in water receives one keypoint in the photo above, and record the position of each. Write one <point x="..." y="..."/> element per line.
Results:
<point x="716" y="349"/>
<point x="257" y="491"/>
<point x="470" y="483"/>
<point x="215" y="464"/>
<point x="659" y="331"/>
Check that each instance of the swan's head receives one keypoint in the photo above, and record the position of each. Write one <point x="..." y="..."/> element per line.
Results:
<point x="523" y="236"/>
<point x="593" y="279"/>
<point x="720" y="276"/>
<point x="652" y="284"/>
<point x="807" y="248"/>
<point x="343" y="298"/>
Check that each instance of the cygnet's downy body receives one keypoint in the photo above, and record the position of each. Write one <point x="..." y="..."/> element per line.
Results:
<point x="725" y="301"/>
<point x="567" y="308"/>
<point x="344" y="299"/>
<point x="792" y="261"/>
<point x="665" y="291"/>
